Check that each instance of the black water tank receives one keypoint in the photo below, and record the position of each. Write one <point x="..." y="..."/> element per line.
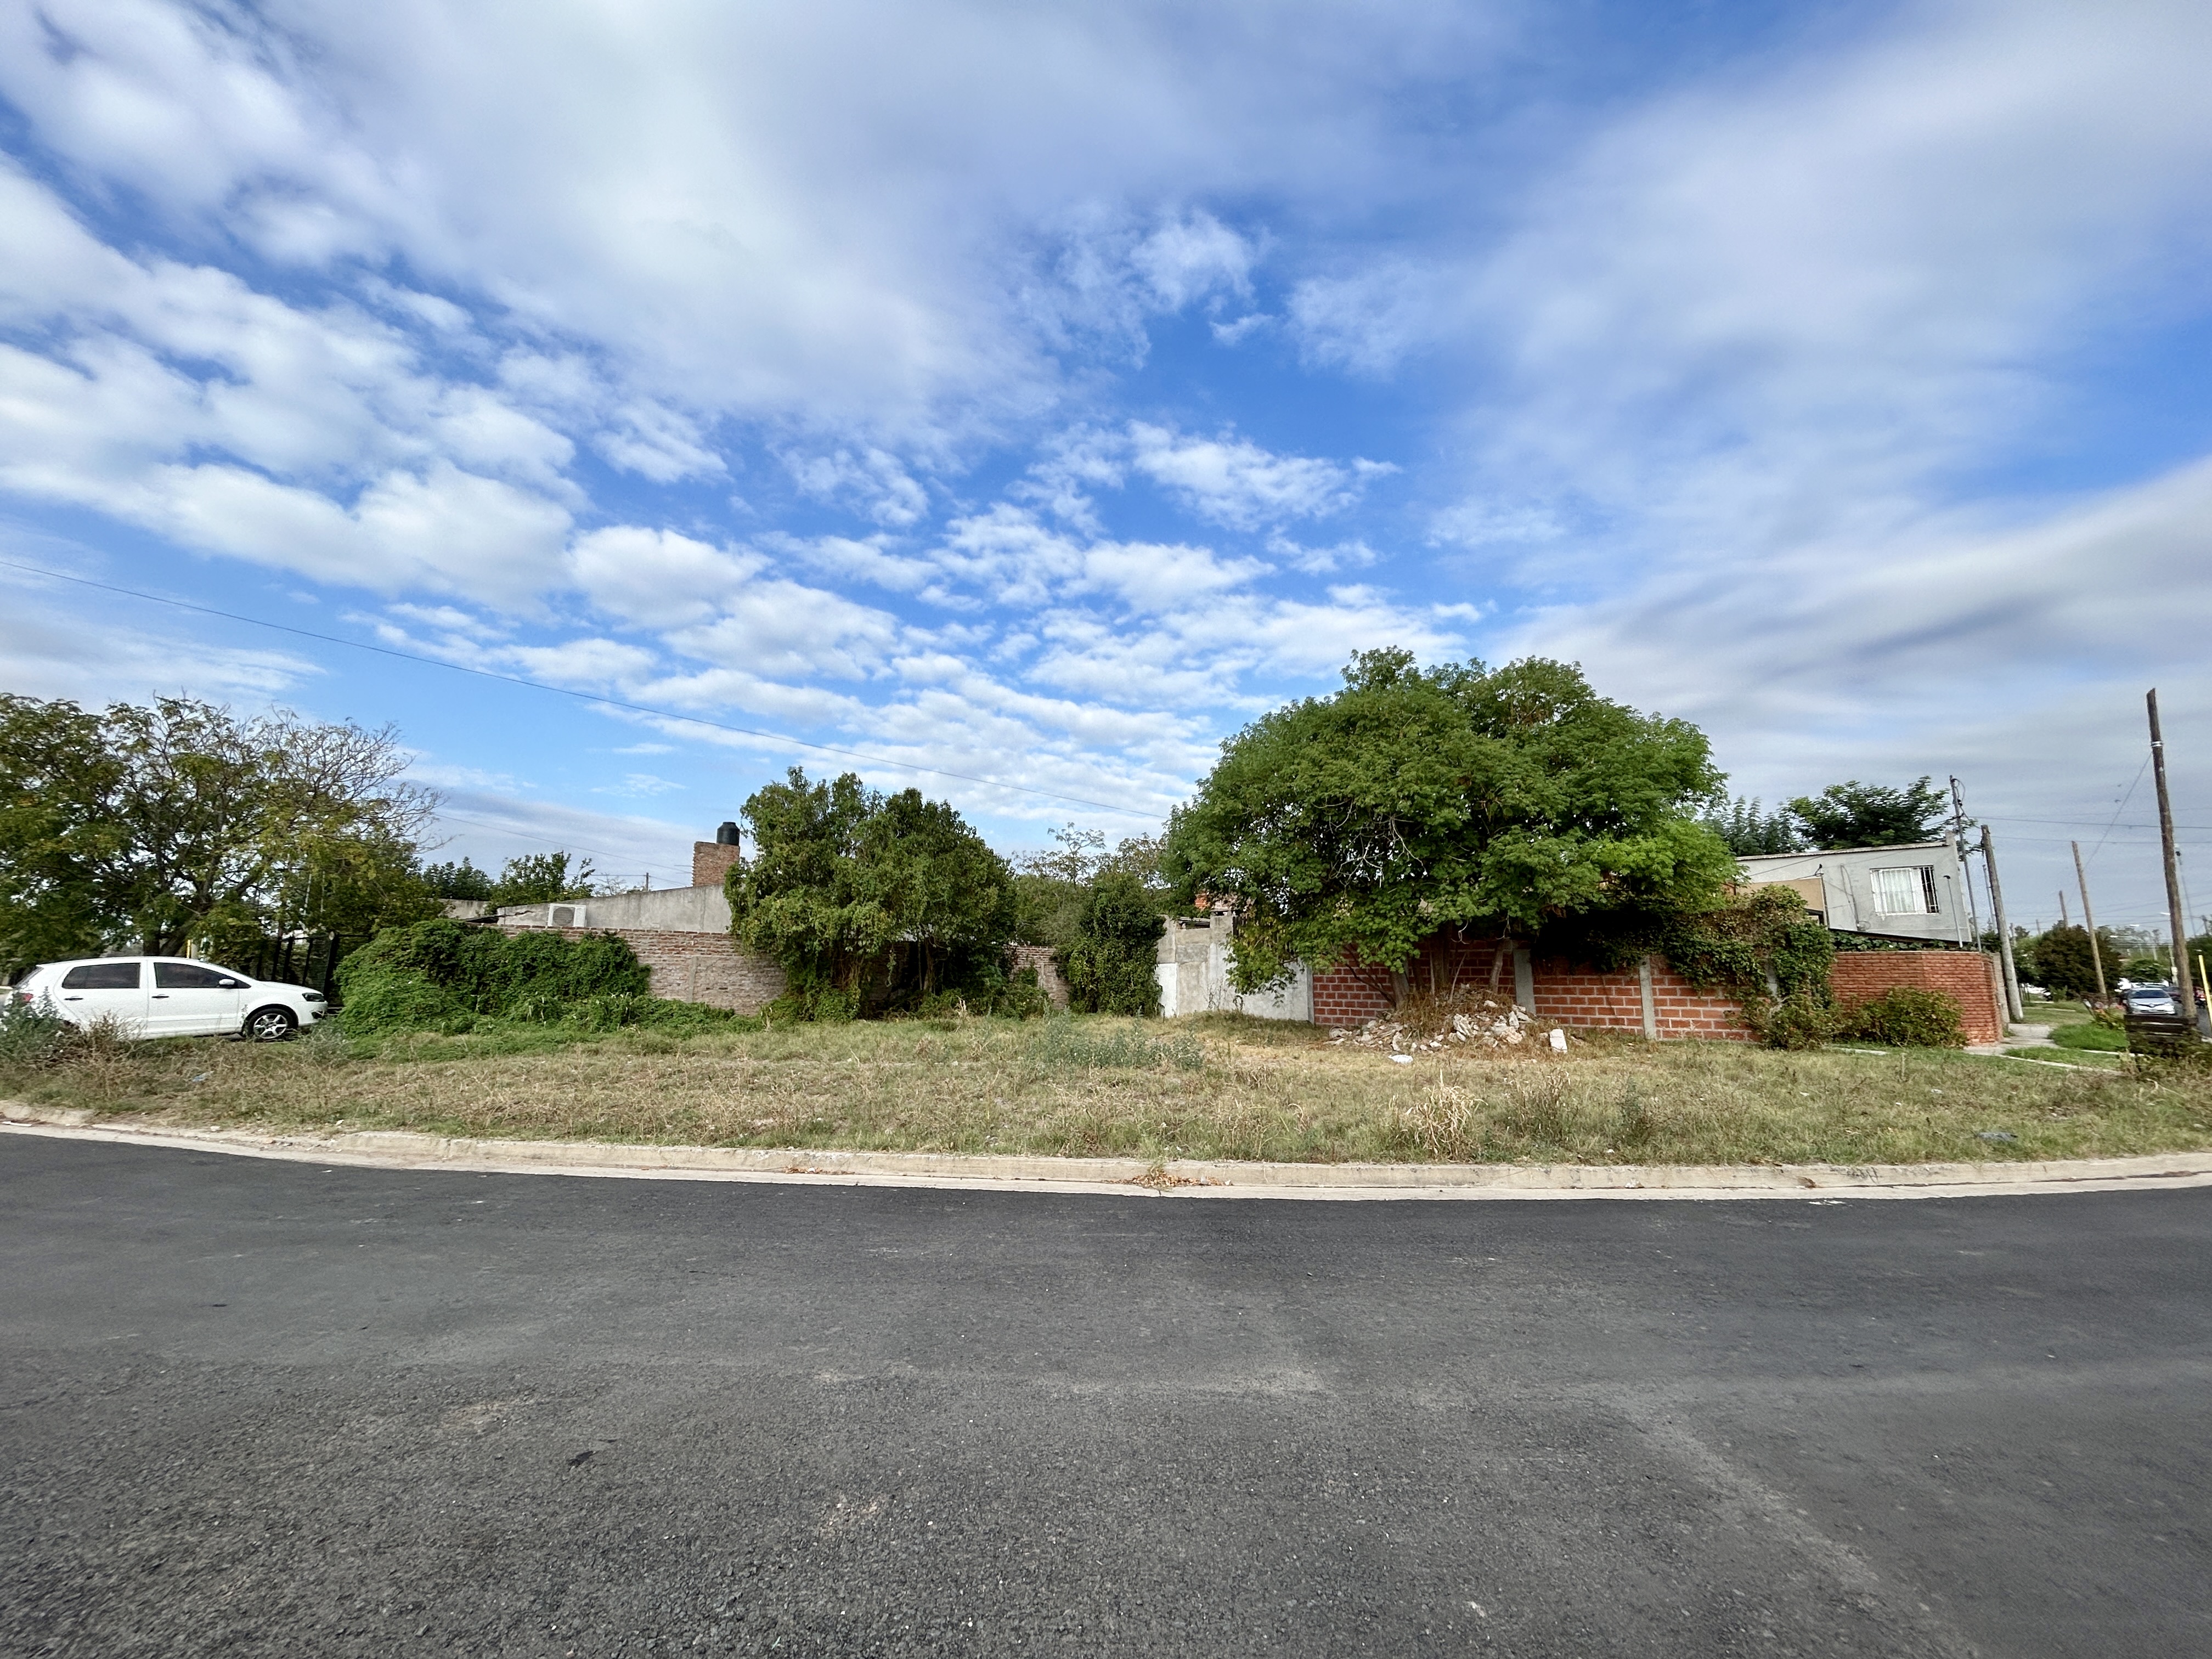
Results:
<point x="727" y="835"/>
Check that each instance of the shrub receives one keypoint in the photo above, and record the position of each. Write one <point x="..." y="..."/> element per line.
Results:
<point x="32" y="1035"/>
<point x="1798" y="1022"/>
<point x="1907" y="1017"/>
<point x="1108" y="965"/>
<point x="442" y="974"/>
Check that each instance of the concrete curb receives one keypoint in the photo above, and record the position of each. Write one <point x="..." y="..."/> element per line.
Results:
<point x="1126" y="1177"/>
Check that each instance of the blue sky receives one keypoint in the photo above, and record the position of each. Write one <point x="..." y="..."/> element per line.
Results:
<point x="1040" y="394"/>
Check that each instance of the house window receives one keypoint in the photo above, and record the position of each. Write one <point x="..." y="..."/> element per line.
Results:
<point x="1908" y="891"/>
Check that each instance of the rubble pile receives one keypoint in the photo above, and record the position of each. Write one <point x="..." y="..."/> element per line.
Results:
<point x="1482" y="1021"/>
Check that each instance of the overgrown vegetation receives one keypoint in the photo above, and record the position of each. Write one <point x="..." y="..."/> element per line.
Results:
<point x="1217" y="1086"/>
<point x="449" y="977"/>
<point x="875" y="903"/>
<point x="1352" y="828"/>
<point x="1907" y="1017"/>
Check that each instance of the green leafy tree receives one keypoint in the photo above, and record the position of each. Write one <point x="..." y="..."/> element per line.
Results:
<point x="457" y="881"/>
<point x="179" y="822"/>
<point x="541" y="878"/>
<point x="867" y="900"/>
<point x="1109" y="959"/>
<point x="2059" y="961"/>
<point x="1354" y="826"/>
<point x="1857" y="814"/>
<point x="1749" y="830"/>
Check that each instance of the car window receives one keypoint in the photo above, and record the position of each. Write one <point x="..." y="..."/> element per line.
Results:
<point x="195" y="976"/>
<point x="102" y="976"/>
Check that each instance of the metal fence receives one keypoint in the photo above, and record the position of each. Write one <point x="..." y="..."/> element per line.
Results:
<point x="309" y="959"/>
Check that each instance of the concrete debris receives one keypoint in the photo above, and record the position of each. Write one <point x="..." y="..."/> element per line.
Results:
<point x="1426" y="1025"/>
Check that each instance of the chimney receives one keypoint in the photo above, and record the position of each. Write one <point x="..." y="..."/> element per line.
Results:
<point x="711" y="860"/>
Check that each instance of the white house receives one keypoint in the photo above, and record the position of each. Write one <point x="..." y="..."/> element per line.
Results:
<point x="1918" y="891"/>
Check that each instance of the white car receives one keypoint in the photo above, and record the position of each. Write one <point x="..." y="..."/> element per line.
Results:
<point x="166" y="996"/>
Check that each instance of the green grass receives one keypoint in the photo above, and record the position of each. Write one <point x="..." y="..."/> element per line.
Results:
<point x="1217" y="1086"/>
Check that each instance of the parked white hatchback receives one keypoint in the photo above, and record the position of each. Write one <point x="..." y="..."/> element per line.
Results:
<point x="165" y="996"/>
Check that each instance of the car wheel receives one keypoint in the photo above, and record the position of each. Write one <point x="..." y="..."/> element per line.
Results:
<point x="270" y="1024"/>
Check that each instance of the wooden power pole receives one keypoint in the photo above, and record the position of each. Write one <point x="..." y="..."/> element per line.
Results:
<point x="2185" y="997"/>
<point x="2090" y="921"/>
<point x="2015" y="1012"/>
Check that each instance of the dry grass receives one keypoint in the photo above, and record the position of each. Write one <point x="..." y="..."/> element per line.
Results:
<point x="1220" y="1086"/>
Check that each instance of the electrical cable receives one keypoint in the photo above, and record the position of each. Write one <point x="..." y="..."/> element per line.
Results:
<point x="581" y="696"/>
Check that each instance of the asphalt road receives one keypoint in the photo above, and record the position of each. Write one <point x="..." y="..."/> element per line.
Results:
<point x="251" y="1407"/>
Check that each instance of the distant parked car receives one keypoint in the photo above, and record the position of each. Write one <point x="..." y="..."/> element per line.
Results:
<point x="2148" y="1000"/>
<point x="163" y="996"/>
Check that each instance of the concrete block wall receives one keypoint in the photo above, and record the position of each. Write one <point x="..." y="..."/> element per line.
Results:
<point x="1039" y="957"/>
<point x="694" y="967"/>
<point x="1967" y="977"/>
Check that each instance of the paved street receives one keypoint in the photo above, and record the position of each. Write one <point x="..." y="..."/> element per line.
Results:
<point x="256" y="1407"/>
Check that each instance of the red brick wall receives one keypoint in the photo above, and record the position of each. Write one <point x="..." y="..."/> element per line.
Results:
<point x="1967" y="977"/>
<point x="686" y="967"/>
<point x="710" y="862"/>
<point x="1569" y="995"/>
<point x="1580" y="996"/>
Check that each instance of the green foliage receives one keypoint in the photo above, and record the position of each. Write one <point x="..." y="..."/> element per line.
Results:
<point x="32" y="1035"/>
<point x="441" y="975"/>
<point x="1109" y="962"/>
<point x="1907" y="1017"/>
<point x="1797" y="1022"/>
<point x="457" y="881"/>
<point x="1758" y="941"/>
<point x="869" y="902"/>
<point x="1748" y="829"/>
<point x="152" y="827"/>
<point x="2059" y="961"/>
<point x="1857" y="814"/>
<point x="1354" y="827"/>
<point x="2144" y="971"/>
<point x="539" y="878"/>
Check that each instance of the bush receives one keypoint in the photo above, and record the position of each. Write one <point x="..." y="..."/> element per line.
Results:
<point x="1109" y="965"/>
<point x="1907" y="1017"/>
<point x="1798" y="1022"/>
<point x="32" y="1035"/>
<point x="442" y="975"/>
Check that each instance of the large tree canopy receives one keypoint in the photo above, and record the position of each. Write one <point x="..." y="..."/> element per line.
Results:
<point x="1354" y="826"/>
<point x="1857" y="814"/>
<point x="181" y="822"/>
<point x="871" y="896"/>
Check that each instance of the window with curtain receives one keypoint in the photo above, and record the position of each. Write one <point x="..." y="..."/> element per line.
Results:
<point x="1907" y="891"/>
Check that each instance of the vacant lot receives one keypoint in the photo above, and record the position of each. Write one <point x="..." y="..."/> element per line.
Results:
<point x="1221" y="1086"/>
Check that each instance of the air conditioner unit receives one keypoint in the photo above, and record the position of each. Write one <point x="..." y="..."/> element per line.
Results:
<point x="564" y="915"/>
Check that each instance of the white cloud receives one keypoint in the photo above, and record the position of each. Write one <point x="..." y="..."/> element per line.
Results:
<point x="1192" y="256"/>
<point x="872" y="480"/>
<point x="657" y="577"/>
<point x="1234" y="482"/>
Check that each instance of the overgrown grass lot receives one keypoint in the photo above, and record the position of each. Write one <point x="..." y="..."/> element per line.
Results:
<point x="1219" y="1086"/>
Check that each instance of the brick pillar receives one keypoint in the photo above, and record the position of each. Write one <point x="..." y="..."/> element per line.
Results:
<point x="710" y="862"/>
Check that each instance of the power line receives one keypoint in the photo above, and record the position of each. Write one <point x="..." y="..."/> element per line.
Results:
<point x="581" y="696"/>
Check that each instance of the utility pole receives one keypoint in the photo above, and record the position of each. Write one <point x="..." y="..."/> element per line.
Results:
<point x="2062" y="922"/>
<point x="2090" y="921"/>
<point x="1959" y="844"/>
<point x="2184" y="996"/>
<point x="2015" y="1012"/>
